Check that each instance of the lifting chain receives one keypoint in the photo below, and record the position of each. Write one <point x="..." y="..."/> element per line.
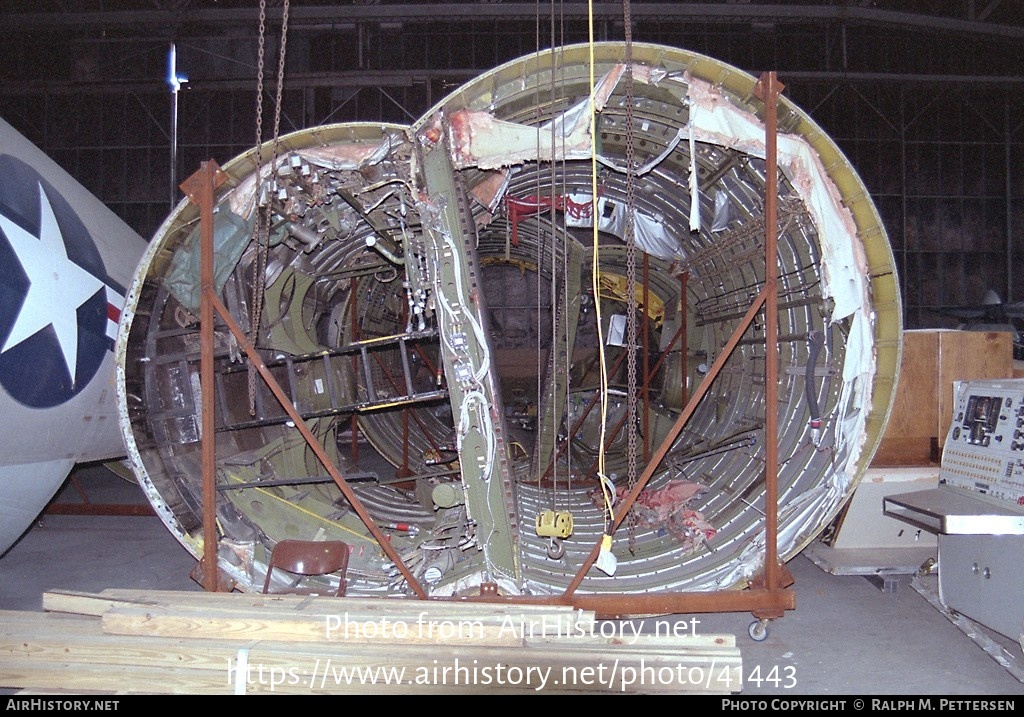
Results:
<point x="264" y="203"/>
<point x="631" y="304"/>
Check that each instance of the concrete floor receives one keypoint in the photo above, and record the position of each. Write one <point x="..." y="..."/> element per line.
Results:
<point x="846" y="637"/>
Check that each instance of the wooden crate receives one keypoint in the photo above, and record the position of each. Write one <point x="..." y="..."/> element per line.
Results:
<point x="922" y="408"/>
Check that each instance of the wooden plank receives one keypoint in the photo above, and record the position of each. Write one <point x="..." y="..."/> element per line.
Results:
<point x="222" y="657"/>
<point x="38" y="652"/>
<point x="326" y="618"/>
<point x="363" y="626"/>
<point x="408" y="612"/>
<point x="120" y="650"/>
<point x="683" y="643"/>
<point x="88" y="645"/>
<point x="50" y="618"/>
<point x="342" y="616"/>
<point x="98" y="603"/>
<point x="202" y="624"/>
<point x="115" y="651"/>
<point x="123" y="680"/>
<point x="915" y="406"/>
<point x="78" y="603"/>
<point x="914" y="413"/>
<point x="393" y="675"/>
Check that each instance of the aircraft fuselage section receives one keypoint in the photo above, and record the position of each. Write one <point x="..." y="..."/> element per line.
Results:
<point x="65" y="259"/>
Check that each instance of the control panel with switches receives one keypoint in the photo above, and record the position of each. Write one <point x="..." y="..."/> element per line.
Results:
<point x="984" y="451"/>
<point x="978" y="508"/>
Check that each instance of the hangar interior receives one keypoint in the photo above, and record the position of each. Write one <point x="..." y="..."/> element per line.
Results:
<point x="923" y="98"/>
<point x="914" y="114"/>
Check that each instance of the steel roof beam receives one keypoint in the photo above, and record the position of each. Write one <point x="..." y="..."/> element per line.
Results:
<point x="708" y="12"/>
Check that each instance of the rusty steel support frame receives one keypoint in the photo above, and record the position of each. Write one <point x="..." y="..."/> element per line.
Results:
<point x="767" y="90"/>
<point x="683" y="281"/>
<point x="403" y="470"/>
<point x="108" y="509"/>
<point x="769" y="595"/>
<point x="200" y="189"/>
<point x="763" y="603"/>
<point x="647" y="358"/>
<point x="354" y="430"/>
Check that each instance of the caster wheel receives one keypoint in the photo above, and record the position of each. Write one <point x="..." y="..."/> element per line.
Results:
<point x="758" y="630"/>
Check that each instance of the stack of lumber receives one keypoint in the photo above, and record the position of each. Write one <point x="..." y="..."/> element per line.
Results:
<point x="135" y="641"/>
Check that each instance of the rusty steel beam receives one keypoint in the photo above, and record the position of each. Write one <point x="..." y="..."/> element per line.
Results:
<point x="126" y="509"/>
<point x="199" y="188"/>
<point x="768" y="90"/>
<point x="611" y="606"/>
<point x="647" y="358"/>
<point x="683" y="280"/>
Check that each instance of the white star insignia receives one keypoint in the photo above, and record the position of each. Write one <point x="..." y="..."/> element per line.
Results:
<point x="57" y="285"/>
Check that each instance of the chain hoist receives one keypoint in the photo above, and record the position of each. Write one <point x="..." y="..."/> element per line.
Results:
<point x="629" y="236"/>
<point x="264" y="194"/>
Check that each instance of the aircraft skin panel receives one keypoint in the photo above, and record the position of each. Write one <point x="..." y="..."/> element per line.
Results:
<point x="65" y="259"/>
<point x="27" y="488"/>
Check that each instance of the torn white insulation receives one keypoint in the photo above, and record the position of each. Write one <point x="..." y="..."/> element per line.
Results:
<point x="723" y="212"/>
<point x="718" y="121"/>
<point x="479" y="139"/>
<point x="651" y="235"/>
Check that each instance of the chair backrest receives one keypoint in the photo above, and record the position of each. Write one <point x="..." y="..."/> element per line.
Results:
<point x="309" y="557"/>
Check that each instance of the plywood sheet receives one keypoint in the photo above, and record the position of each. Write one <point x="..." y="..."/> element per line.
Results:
<point x="908" y="437"/>
<point x="922" y="408"/>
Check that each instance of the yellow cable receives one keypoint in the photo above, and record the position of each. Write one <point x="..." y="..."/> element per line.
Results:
<point x="595" y="274"/>
<point x="307" y="512"/>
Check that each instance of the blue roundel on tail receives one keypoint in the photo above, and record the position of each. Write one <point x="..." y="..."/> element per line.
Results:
<point x="53" y="302"/>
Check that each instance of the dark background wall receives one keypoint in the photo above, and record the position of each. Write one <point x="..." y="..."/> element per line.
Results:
<point x="926" y="97"/>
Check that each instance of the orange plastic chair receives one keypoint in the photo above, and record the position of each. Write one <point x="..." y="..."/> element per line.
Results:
<point x="306" y="558"/>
